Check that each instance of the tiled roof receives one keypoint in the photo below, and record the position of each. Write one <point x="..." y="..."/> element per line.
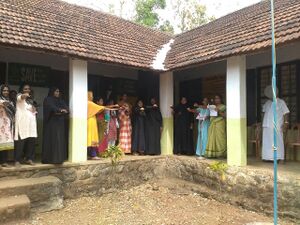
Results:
<point x="62" y="28"/>
<point x="244" y="31"/>
<point x="59" y="27"/>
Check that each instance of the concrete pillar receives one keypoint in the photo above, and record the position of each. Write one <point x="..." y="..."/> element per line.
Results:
<point x="166" y="93"/>
<point x="78" y="110"/>
<point x="236" y="111"/>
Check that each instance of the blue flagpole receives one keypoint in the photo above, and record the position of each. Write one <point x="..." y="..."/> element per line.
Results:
<point x="274" y="110"/>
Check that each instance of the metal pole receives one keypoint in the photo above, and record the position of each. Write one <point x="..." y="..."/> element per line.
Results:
<point x="274" y="110"/>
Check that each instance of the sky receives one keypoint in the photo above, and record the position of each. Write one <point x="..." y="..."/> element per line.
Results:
<point x="216" y="8"/>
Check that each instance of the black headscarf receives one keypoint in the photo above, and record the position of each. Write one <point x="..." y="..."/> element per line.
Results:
<point x="52" y="104"/>
<point x="51" y="91"/>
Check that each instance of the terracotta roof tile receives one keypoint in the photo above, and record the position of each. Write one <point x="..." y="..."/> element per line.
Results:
<point x="62" y="28"/>
<point x="59" y="27"/>
<point x="244" y="31"/>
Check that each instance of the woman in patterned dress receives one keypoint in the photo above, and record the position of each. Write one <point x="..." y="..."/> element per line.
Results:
<point x="125" y="129"/>
<point x="7" y="114"/>
<point x="102" y="127"/>
<point x="113" y="125"/>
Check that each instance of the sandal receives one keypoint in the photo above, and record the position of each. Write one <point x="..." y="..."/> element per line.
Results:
<point x="95" y="158"/>
<point x="29" y="162"/>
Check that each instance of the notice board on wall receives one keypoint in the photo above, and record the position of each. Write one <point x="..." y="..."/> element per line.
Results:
<point x="25" y="73"/>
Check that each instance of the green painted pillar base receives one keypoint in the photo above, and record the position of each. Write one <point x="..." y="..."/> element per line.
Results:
<point x="78" y="140"/>
<point x="237" y="142"/>
<point x="167" y="137"/>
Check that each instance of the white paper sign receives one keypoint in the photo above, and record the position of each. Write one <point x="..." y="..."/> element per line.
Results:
<point x="212" y="110"/>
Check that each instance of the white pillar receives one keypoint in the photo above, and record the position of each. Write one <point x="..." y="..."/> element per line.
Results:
<point x="78" y="110"/>
<point x="166" y="93"/>
<point x="236" y="111"/>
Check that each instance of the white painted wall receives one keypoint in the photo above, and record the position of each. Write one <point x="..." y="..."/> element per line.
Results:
<point x="61" y="63"/>
<point x="284" y="54"/>
<point x="34" y="58"/>
<point x="212" y="69"/>
<point x="109" y="70"/>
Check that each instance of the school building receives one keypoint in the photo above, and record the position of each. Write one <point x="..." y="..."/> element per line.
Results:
<point x="53" y="43"/>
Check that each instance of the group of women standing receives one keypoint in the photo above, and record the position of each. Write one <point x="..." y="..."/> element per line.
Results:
<point x="211" y="138"/>
<point x="18" y="126"/>
<point x="136" y="130"/>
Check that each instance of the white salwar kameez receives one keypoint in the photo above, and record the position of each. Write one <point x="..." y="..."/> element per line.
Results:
<point x="25" y="121"/>
<point x="268" y="130"/>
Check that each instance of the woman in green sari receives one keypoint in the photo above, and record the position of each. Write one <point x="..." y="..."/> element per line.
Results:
<point x="216" y="145"/>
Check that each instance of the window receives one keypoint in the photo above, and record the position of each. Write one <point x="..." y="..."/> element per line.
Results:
<point x="286" y="83"/>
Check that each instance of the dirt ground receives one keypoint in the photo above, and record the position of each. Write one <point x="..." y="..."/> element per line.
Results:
<point x="154" y="203"/>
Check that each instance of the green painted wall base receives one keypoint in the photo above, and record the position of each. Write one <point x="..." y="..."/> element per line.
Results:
<point x="167" y="138"/>
<point x="78" y="140"/>
<point x="237" y="142"/>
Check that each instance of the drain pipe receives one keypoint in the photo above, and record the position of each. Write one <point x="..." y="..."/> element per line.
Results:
<point x="275" y="147"/>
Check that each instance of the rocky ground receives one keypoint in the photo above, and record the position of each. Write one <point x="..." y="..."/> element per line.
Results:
<point x="160" y="202"/>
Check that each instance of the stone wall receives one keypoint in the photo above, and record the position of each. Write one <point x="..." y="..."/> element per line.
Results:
<point x="249" y="188"/>
<point x="94" y="178"/>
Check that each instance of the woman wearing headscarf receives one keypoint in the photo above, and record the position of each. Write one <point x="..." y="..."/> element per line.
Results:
<point x="268" y="126"/>
<point x="54" y="139"/>
<point x="138" y="127"/>
<point x="154" y="127"/>
<point x="25" y="126"/>
<point x="183" y="143"/>
<point x="7" y="114"/>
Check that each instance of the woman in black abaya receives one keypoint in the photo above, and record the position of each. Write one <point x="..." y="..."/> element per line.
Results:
<point x="153" y="129"/>
<point x="138" y="128"/>
<point x="54" y="138"/>
<point x="183" y="143"/>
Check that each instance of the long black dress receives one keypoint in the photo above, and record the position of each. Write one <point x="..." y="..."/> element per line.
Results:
<point x="138" y="134"/>
<point x="153" y="125"/>
<point x="54" y="133"/>
<point x="183" y="143"/>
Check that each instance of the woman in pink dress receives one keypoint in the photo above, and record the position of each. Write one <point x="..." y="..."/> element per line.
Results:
<point x="125" y="129"/>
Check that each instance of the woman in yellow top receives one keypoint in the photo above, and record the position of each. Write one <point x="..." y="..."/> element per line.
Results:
<point x="92" y="128"/>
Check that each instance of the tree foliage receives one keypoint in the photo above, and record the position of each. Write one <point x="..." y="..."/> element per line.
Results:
<point x="182" y="15"/>
<point x="190" y="14"/>
<point x="167" y="27"/>
<point x="146" y="13"/>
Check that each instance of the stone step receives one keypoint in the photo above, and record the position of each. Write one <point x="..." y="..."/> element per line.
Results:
<point x="45" y="193"/>
<point x="14" y="208"/>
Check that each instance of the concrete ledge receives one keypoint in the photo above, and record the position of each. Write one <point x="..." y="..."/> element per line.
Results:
<point x="45" y="193"/>
<point x="14" y="208"/>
